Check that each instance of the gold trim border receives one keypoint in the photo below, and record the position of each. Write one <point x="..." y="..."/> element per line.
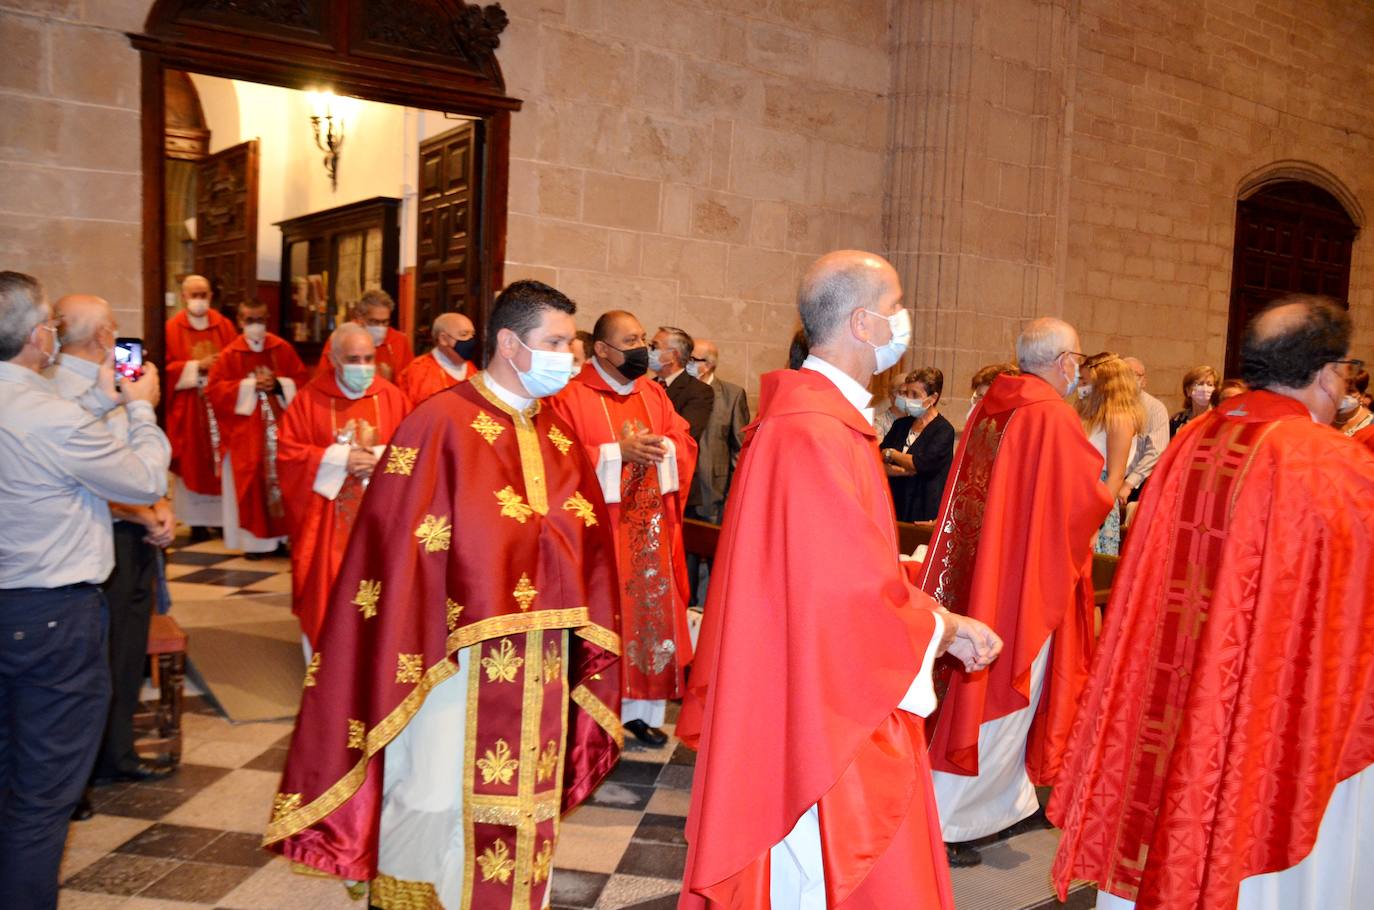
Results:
<point x="600" y="636"/>
<point x="604" y="717"/>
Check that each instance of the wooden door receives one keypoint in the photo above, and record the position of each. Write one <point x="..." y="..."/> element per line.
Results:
<point x="447" y="267"/>
<point x="1291" y="238"/>
<point x="226" y="246"/>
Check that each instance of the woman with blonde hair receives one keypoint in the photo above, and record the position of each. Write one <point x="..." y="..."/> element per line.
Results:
<point x="1109" y="405"/>
<point x="1198" y="385"/>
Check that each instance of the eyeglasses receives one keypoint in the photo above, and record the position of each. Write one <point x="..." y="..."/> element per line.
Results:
<point x="1352" y="366"/>
<point x="1078" y="354"/>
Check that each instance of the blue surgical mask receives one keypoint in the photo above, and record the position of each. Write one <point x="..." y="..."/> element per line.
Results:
<point x="378" y="333"/>
<point x="916" y="407"/>
<point x="1073" y="386"/>
<point x="887" y="355"/>
<point x="693" y="369"/>
<point x="549" y="371"/>
<point x="357" y="377"/>
<point x="655" y="359"/>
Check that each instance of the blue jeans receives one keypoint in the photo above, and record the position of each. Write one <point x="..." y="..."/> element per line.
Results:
<point x="54" y="694"/>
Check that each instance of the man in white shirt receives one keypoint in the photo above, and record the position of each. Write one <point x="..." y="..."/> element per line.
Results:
<point x="60" y="466"/>
<point x="1150" y="444"/>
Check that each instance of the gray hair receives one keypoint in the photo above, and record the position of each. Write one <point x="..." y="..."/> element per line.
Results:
<point x="374" y="297"/>
<point x="344" y="330"/>
<point x="827" y="297"/>
<point x="679" y="342"/>
<point x="83" y="316"/>
<point x="1042" y="341"/>
<point x="22" y="306"/>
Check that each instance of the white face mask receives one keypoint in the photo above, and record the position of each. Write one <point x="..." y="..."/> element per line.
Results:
<point x="378" y="333"/>
<point x="549" y="371"/>
<point x="255" y="332"/>
<point x="655" y="359"/>
<point x="1202" y="394"/>
<point x="915" y="407"/>
<point x="198" y="306"/>
<point x="1348" y="404"/>
<point x="693" y="369"/>
<point x="886" y="356"/>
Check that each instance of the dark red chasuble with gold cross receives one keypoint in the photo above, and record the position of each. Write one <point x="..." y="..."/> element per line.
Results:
<point x="1234" y="685"/>
<point x="483" y="528"/>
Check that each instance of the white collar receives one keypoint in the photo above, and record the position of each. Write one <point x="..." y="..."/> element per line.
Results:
<point x="668" y="380"/>
<point x="854" y="393"/>
<point x="624" y="388"/>
<point x="77" y="366"/>
<point x="511" y="399"/>
<point x="199" y="323"/>
<point x="458" y="373"/>
<point x="255" y="346"/>
<point x="709" y="380"/>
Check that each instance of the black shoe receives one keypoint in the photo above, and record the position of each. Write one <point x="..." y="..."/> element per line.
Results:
<point x="83" y="810"/>
<point x="962" y="856"/>
<point x="651" y="736"/>
<point x="139" y="773"/>
<point x="199" y="534"/>
<point x="1036" y="821"/>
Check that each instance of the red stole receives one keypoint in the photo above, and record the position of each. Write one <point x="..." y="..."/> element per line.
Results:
<point x="319" y="527"/>
<point x="483" y="528"/>
<point x="425" y="376"/>
<point x="810" y="641"/>
<point x="394" y="354"/>
<point x="1234" y="685"/>
<point x="252" y="440"/>
<point x="648" y="528"/>
<point x="192" y="427"/>
<point x="1013" y="548"/>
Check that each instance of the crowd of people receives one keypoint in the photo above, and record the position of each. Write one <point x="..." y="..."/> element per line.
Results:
<point x="487" y="548"/>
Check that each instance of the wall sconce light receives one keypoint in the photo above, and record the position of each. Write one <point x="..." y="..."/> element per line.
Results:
<point x="329" y="119"/>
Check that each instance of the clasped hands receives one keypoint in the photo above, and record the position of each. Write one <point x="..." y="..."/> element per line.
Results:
<point x="264" y="379"/>
<point x="970" y="641"/>
<point x="361" y="459"/>
<point x="639" y="446"/>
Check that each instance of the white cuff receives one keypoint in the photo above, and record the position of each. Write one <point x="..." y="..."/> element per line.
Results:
<point x="378" y="450"/>
<point x="190" y="376"/>
<point x="667" y="469"/>
<point x="608" y="471"/>
<point x="288" y="389"/>
<point x="920" y="697"/>
<point x="248" y="397"/>
<point x="333" y="470"/>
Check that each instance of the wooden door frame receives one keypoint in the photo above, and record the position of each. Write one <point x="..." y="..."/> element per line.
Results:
<point x="435" y="54"/>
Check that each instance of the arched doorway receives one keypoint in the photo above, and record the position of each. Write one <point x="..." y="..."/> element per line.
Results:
<point x="434" y="54"/>
<point x="1291" y="237"/>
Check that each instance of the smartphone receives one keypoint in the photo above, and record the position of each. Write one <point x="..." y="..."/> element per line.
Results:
<point x="129" y="358"/>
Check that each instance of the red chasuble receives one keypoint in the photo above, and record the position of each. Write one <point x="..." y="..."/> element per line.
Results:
<point x="425" y="376"/>
<point x="648" y="528"/>
<point x="393" y="355"/>
<point x="320" y="527"/>
<point x="192" y="426"/>
<point x="1234" y="687"/>
<point x="252" y="440"/>
<point x="1366" y="437"/>
<point x="812" y="637"/>
<point x="1013" y="548"/>
<point x="483" y="528"/>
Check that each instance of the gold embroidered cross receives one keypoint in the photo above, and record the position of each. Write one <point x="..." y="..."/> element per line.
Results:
<point x="524" y="592"/>
<point x="435" y="533"/>
<point x="513" y="505"/>
<point x="561" y="442"/>
<point x="579" y="506"/>
<point x="487" y="427"/>
<point x="284" y="804"/>
<point x="553" y="663"/>
<point x="496" y="863"/>
<point x="452" y="610"/>
<point x="369" y="592"/>
<point x="548" y="762"/>
<point x="543" y="861"/>
<point x="497" y="765"/>
<point x="357" y="734"/>
<point x="409" y="667"/>
<point x="312" y="669"/>
<point x="501" y="663"/>
<point x="401" y="460"/>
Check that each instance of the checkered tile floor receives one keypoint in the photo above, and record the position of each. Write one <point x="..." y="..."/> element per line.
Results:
<point x="191" y="841"/>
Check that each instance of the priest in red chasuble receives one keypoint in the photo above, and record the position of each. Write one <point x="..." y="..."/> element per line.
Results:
<point x="1223" y="756"/>
<point x="373" y="312"/>
<point x="644" y="456"/>
<point x="195" y="336"/>
<point x="1366" y="437"/>
<point x="331" y="438"/>
<point x="466" y="689"/>
<point x="250" y="386"/>
<point x="1013" y="548"/>
<point x="812" y="786"/>
<point x="448" y="363"/>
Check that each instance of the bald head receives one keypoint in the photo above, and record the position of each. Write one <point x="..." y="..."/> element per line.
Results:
<point x="88" y="326"/>
<point x="839" y="283"/>
<point x="457" y="326"/>
<point x="351" y="343"/>
<point x="1290" y="344"/>
<point x="195" y="284"/>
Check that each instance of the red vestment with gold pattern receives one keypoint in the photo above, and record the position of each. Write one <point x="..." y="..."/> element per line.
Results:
<point x="482" y="531"/>
<point x="424" y="376"/>
<point x="192" y="427"/>
<point x="648" y="527"/>
<point x="1234" y="685"/>
<point x="1013" y="548"/>
<point x="252" y="439"/>
<point x="319" y="526"/>
<point x="394" y="354"/>
<point x="812" y="636"/>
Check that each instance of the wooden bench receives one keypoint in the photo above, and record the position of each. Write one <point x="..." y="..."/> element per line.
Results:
<point x="160" y="728"/>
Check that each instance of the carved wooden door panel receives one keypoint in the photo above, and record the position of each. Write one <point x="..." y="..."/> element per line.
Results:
<point x="447" y="270"/>
<point x="1291" y="238"/>
<point x="226" y="245"/>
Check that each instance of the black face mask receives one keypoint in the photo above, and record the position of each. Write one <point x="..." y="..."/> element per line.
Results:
<point x="636" y="362"/>
<point x="466" y="349"/>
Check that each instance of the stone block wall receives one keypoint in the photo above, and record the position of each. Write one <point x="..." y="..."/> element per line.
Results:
<point x="687" y="160"/>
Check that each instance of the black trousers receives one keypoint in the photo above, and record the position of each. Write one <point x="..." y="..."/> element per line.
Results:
<point x="696" y="585"/>
<point x="129" y="591"/>
<point x="54" y="693"/>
